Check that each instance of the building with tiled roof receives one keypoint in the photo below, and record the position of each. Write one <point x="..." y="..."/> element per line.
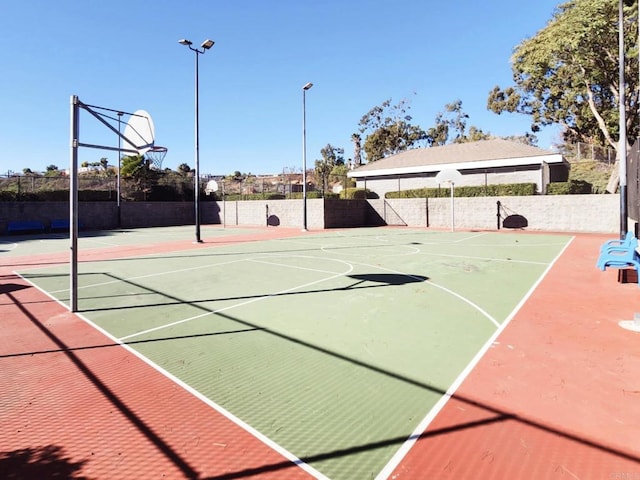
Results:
<point x="486" y="162"/>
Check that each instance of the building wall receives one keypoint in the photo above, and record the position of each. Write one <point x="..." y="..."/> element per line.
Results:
<point x="381" y="185"/>
<point x="570" y="213"/>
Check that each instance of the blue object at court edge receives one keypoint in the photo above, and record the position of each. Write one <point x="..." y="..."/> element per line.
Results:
<point x="622" y="254"/>
<point x="25" y="226"/>
<point x="624" y="243"/>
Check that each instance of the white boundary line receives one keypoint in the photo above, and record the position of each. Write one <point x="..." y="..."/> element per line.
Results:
<point x="218" y="408"/>
<point x="464" y="239"/>
<point x="437" y="408"/>
<point x="9" y="245"/>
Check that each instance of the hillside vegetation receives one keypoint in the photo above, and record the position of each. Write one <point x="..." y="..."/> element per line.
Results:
<point x="594" y="172"/>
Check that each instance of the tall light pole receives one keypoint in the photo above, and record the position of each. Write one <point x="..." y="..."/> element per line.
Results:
<point x="622" y="141"/>
<point x="306" y="87"/>
<point x="206" y="45"/>
<point x="119" y="167"/>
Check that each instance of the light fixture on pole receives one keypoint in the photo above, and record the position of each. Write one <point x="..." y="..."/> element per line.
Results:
<point x="306" y="87"/>
<point x="206" y="45"/>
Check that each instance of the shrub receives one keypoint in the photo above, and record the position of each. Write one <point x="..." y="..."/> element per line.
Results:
<point x="497" y="190"/>
<point x="571" y="187"/>
<point x="355" y="194"/>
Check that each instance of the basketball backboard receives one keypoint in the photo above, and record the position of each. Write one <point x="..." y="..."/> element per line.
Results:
<point x="139" y="133"/>
<point x="450" y="176"/>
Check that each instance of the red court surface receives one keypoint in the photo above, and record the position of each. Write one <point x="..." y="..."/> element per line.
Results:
<point x="557" y="396"/>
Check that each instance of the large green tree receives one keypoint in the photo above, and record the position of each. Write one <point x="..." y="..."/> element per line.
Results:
<point x="567" y="74"/>
<point x="331" y="158"/>
<point x="139" y="174"/>
<point x="388" y="130"/>
<point x="451" y="127"/>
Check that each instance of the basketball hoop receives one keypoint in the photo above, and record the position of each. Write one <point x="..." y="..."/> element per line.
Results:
<point x="156" y="155"/>
<point x="212" y="187"/>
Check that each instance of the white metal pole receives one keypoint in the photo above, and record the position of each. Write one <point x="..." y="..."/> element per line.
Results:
<point x="452" y="210"/>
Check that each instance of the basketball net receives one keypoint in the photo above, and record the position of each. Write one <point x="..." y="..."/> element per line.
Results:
<point x="156" y="155"/>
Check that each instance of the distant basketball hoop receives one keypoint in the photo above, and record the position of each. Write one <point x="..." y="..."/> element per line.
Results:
<point x="212" y="187"/>
<point x="156" y="155"/>
<point x="451" y="177"/>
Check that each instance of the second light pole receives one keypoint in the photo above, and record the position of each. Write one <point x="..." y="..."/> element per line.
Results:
<point x="306" y="87"/>
<point x="206" y="45"/>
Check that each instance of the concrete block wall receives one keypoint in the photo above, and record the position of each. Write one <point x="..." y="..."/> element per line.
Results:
<point x="92" y="215"/>
<point x="286" y="213"/>
<point x="570" y="213"/>
<point x="157" y="214"/>
<point x="344" y="213"/>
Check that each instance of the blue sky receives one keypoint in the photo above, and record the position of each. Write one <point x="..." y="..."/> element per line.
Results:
<point x="125" y="55"/>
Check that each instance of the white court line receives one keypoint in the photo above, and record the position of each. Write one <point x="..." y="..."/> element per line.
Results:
<point x="9" y="245"/>
<point x="450" y="292"/>
<point x="445" y="289"/>
<point x="331" y="248"/>
<point x="471" y="237"/>
<point x="247" y="302"/>
<point x="292" y="266"/>
<point x="467" y="301"/>
<point x="437" y="408"/>
<point x="491" y="259"/>
<point x="150" y="275"/>
<point x="188" y="388"/>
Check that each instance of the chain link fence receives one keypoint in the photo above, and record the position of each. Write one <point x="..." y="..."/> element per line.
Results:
<point x="164" y="187"/>
<point x="579" y="152"/>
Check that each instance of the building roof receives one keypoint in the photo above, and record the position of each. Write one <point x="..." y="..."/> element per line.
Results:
<point x="483" y="154"/>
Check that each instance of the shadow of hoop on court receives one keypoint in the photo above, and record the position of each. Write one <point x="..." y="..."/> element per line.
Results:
<point x="389" y="278"/>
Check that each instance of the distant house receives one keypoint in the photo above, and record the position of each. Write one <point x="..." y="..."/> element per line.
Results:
<point x="485" y="162"/>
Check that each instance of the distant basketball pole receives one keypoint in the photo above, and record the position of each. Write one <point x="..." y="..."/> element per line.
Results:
<point x="206" y="45"/>
<point x="450" y="176"/>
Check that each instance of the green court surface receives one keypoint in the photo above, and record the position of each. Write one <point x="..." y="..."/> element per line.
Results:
<point x="336" y="346"/>
<point x="59" y="242"/>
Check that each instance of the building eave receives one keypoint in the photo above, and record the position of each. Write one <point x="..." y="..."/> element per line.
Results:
<point x="460" y="166"/>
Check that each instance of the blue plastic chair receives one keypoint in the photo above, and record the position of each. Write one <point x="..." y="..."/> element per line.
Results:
<point x="619" y="243"/>
<point x="622" y="255"/>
